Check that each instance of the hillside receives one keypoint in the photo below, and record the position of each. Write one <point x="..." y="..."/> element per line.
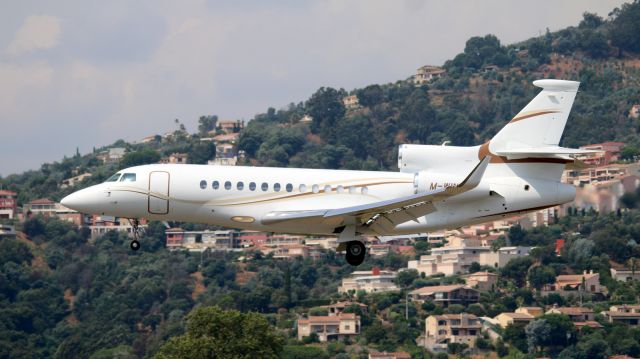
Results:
<point x="63" y="296"/>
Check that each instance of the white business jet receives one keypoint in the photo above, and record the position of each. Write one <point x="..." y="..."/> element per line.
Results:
<point x="437" y="187"/>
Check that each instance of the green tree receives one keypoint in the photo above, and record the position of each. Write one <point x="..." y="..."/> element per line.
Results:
<point x="213" y="332"/>
<point x="137" y="158"/>
<point x="206" y="124"/>
<point x="541" y="275"/>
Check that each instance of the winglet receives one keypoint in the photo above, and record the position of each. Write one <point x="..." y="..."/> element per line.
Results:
<point x="474" y="177"/>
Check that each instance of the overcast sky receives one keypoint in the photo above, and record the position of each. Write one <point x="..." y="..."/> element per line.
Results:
<point x="86" y="73"/>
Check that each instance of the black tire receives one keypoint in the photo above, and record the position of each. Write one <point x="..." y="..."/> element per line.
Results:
<point x="355" y="253"/>
<point x="135" y="245"/>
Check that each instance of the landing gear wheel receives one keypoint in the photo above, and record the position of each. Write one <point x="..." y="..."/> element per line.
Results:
<point x="135" y="245"/>
<point x="355" y="253"/>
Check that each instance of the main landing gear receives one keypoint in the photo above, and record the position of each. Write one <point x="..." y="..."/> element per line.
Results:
<point x="355" y="253"/>
<point x="135" y="244"/>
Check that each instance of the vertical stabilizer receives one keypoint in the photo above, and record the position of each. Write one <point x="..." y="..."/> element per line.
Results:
<point x="542" y="121"/>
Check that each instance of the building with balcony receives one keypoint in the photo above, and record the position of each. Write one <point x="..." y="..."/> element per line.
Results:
<point x="340" y="326"/>
<point x="200" y="240"/>
<point x="8" y="204"/>
<point x="230" y="126"/>
<point x="445" y="295"/>
<point x="100" y="225"/>
<point x="372" y="281"/>
<point x="441" y="330"/>
<point x="457" y="256"/>
<point x="48" y="208"/>
<point x="624" y="314"/>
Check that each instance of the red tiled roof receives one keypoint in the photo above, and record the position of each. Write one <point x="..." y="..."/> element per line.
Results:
<point x="42" y="201"/>
<point x="573" y="310"/>
<point x="437" y="288"/>
<point x="397" y="355"/>
<point x="6" y="192"/>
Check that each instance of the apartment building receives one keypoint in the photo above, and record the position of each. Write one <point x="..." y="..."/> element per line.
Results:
<point x="445" y="295"/>
<point x="457" y="256"/>
<point x="372" y="281"/>
<point x="339" y="326"/>
<point x="8" y="204"/>
<point x="451" y="328"/>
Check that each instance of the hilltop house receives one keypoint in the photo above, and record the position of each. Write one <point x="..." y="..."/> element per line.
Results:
<point x="329" y="327"/>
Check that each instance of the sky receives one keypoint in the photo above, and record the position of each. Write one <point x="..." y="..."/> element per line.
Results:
<point x="83" y="74"/>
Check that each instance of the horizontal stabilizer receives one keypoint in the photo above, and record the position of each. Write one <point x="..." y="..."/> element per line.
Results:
<point x="544" y="152"/>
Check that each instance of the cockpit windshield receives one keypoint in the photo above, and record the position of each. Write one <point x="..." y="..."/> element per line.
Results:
<point x="114" y="178"/>
<point x="128" y="177"/>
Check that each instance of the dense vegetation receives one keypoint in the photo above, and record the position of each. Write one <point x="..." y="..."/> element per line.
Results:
<point x="64" y="296"/>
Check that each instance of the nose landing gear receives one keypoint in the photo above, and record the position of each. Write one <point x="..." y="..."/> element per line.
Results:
<point x="136" y="230"/>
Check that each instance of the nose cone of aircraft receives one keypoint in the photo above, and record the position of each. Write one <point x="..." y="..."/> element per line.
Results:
<point x="73" y="201"/>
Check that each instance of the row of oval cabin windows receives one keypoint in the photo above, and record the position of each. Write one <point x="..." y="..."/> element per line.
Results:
<point x="288" y="187"/>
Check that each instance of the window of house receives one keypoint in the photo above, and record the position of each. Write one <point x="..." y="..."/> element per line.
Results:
<point x="252" y="186"/>
<point x="215" y="184"/>
<point x="240" y="186"/>
<point x="289" y="187"/>
<point x="276" y="187"/>
<point x="227" y="185"/>
<point x="203" y="184"/>
<point x="113" y="178"/>
<point x="131" y="177"/>
<point x="264" y="186"/>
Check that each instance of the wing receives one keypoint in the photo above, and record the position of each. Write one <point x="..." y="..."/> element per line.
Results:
<point x="388" y="212"/>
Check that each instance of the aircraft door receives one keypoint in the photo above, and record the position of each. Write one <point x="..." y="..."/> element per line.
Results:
<point x="159" y="192"/>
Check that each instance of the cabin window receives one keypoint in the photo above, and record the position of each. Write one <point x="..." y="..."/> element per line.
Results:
<point x="276" y="187"/>
<point x="131" y="177"/>
<point x="340" y="189"/>
<point x="203" y="184"/>
<point x="240" y="186"/>
<point x="114" y="178"/>
<point x="264" y="186"/>
<point x="303" y="188"/>
<point x="327" y="189"/>
<point x="315" y="188"/>
<point x="227" y="185"/>
<point x="289" y="187"/>
<point x="215" y="184"/>
<point x="252" y="186"/>
<point x="364" y="190"/>
<point x="526" y="187"/>
<point x="352" y="189"/>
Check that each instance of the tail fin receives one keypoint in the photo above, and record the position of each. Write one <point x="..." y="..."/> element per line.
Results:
<point x="541" y="122"/>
